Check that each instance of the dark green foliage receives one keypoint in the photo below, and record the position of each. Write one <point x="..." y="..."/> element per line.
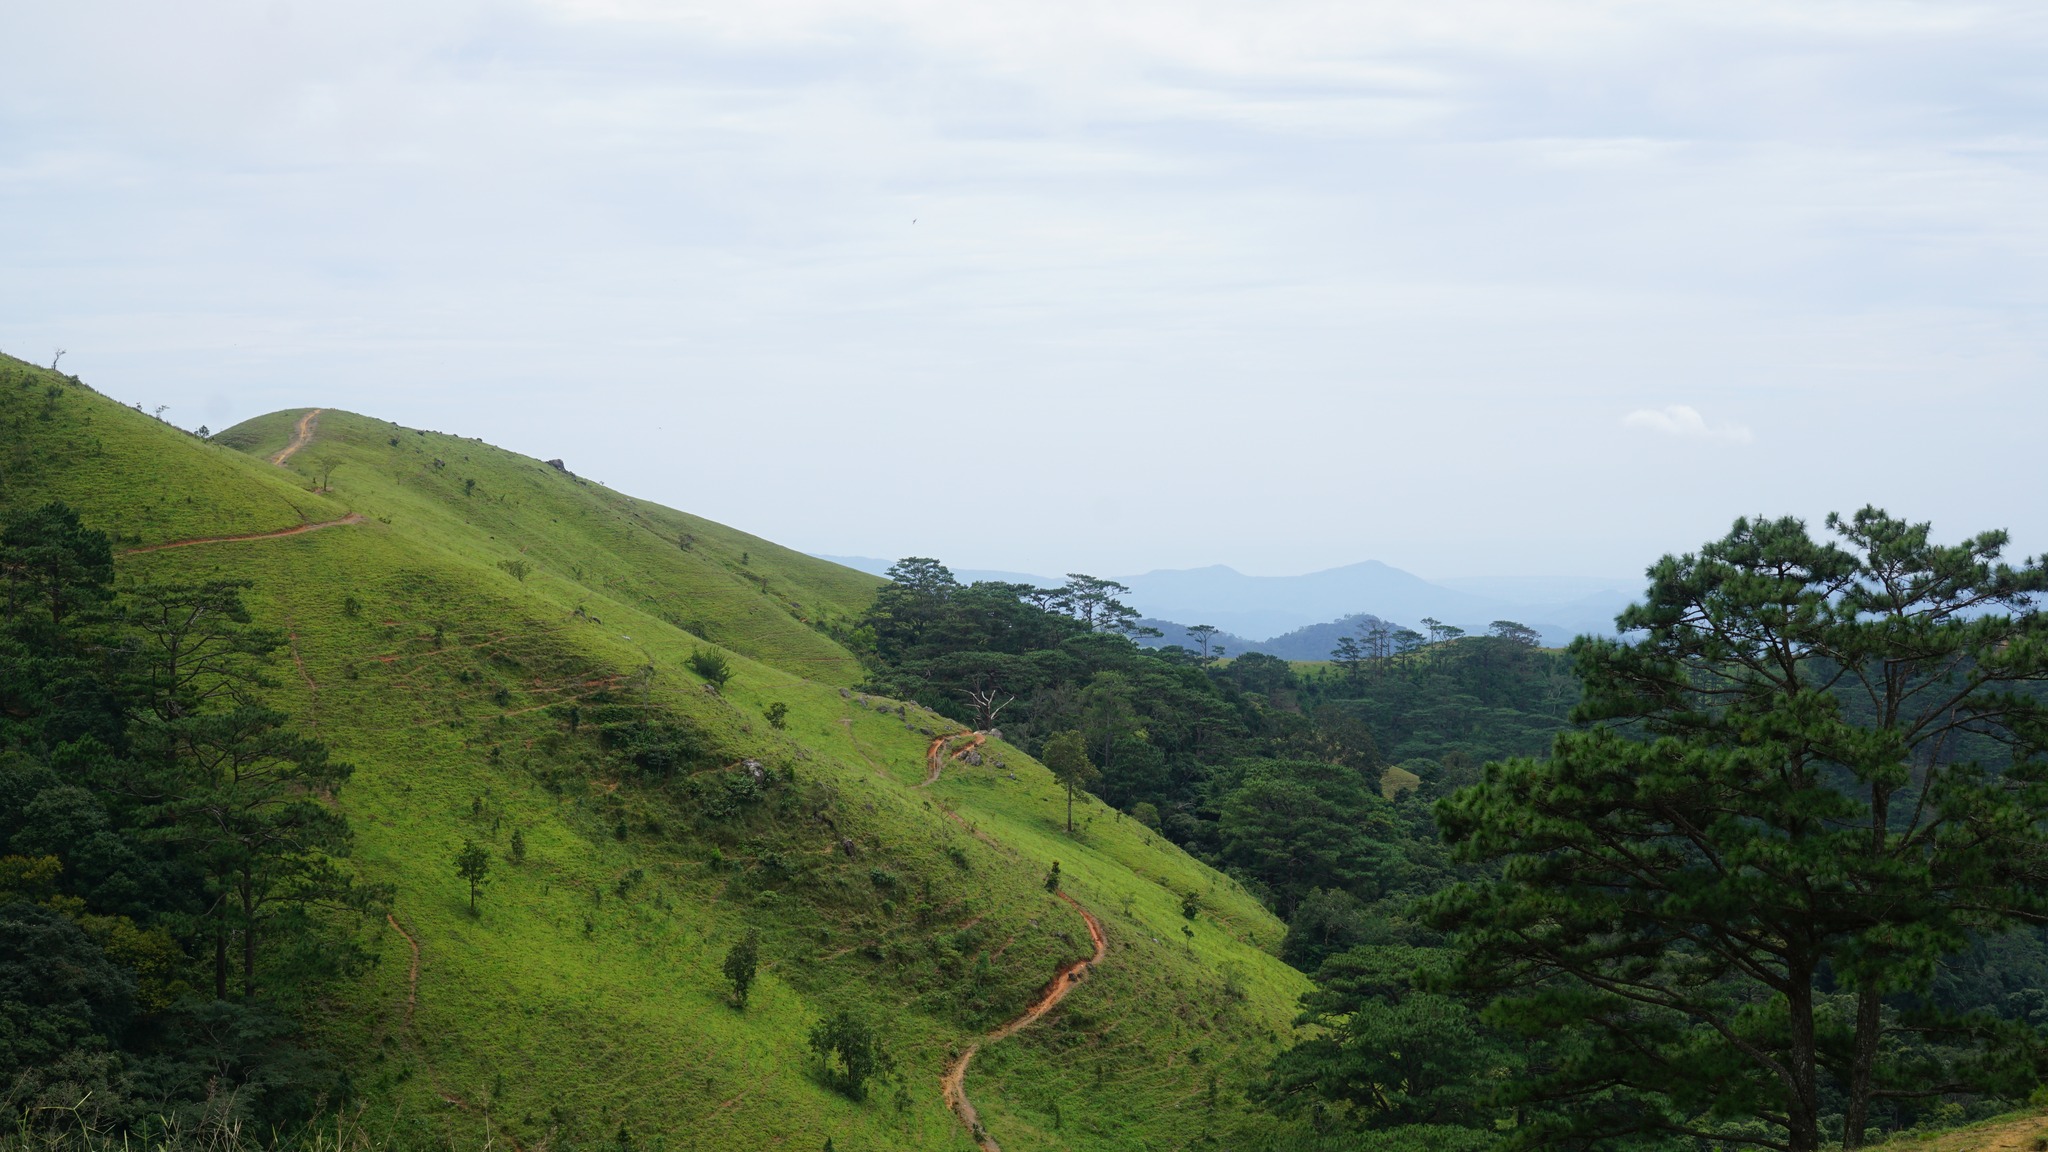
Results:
<point x="1295" y="825"/>
<point x="1389" y="1054"/>
<point x="1325" y="923"/>
<point x="659" y="749"/>
<point x="741" y="962"/>
<point x="160" y="832"/>
<point x="516" y="851"/>
<point x="1818" y="773"/>
<point x="778" y="714"/>
<point x="1052" y="877"/>
<point x="473" y="865"/>
<point x="1477" y="698"/>
<point x="711" y="666"/>
<point x="850" y="1053"/>
<point x="58" y="991"/>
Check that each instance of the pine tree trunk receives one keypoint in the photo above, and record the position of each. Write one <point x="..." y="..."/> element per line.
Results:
<point x="248" y="940"/>
<point x="220" y="951"/>
<point x="1802" y="1109"/>
<point x="1869" y="1020"/>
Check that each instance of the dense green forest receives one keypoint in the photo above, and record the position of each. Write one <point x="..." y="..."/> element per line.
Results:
<point x="1770" y="872"/>
<point x="173" y="884"/>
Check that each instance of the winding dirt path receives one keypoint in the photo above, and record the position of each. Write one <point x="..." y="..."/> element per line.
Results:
<point x="351" y="518"/>
<point x="954" y="1082"/>
<point x="412" y="979"/>
<point x="302" y="436"/>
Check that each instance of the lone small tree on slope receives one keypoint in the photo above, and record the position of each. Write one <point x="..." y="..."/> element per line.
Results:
<point x="1066" y="754"/>
<point x="857" y="1049"/>
<point x="741" y="962"/>
<point x="474" y="865"/>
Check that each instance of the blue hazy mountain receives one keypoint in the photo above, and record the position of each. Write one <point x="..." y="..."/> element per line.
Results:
<point x="1261" y="610"/>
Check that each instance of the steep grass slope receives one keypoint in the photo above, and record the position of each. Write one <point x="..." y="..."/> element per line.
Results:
<point x="494" y="643"/>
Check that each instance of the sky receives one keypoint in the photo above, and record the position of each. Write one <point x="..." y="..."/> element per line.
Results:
<point x="1475" y="288"/>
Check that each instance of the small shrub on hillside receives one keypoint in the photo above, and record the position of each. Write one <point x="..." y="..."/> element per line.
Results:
<point x="517" y="854"/>
<point x="1191" y="904"/>
<point x="778" y="714"/>
<point x="516" y="569"/>
<point x="726" y="794"/>
<point x="658" y="749"/>
<point x="1052" y="878"/>
<point x="351" y="607"/>
<point x="711" y="666"/>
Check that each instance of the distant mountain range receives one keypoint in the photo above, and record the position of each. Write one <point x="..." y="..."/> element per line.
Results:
<point x="1265" y="613"/>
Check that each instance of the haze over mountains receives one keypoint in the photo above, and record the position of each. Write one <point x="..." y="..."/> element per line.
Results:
<point x="1261" y="611"/>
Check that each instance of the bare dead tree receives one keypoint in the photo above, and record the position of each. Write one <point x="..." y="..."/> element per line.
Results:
<point x="57" y="357"/>
<point x="985" y="706"/>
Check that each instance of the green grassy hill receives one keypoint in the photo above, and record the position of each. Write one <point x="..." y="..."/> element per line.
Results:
<point x="490" y="640"/>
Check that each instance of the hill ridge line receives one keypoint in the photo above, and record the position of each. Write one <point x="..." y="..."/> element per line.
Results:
<point x="301" y="436"/>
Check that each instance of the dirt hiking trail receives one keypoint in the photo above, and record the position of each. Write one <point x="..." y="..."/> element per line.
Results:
<point x="351" y="518"/>
<point x="300" y="437"/>
<point x="935" y="757"/>
<point x="954" y="1082"/>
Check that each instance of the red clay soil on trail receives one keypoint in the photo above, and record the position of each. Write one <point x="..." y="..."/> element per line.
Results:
<point x="300" y="438"/>
<point x="954" y="1082"/>
<point x="935" y="756"/>
<point x="351" y="518"/>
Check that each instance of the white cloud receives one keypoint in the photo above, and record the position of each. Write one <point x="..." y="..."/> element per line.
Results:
<point x="1685" y="422"/>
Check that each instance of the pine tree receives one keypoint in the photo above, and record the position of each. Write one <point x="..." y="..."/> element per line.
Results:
<point x="1817" y="772"/>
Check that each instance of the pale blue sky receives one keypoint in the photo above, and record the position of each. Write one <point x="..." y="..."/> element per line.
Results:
<point x="1472" y="288"/>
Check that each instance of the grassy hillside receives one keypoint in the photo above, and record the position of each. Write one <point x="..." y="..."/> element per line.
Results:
<point x="485" y="636"/>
